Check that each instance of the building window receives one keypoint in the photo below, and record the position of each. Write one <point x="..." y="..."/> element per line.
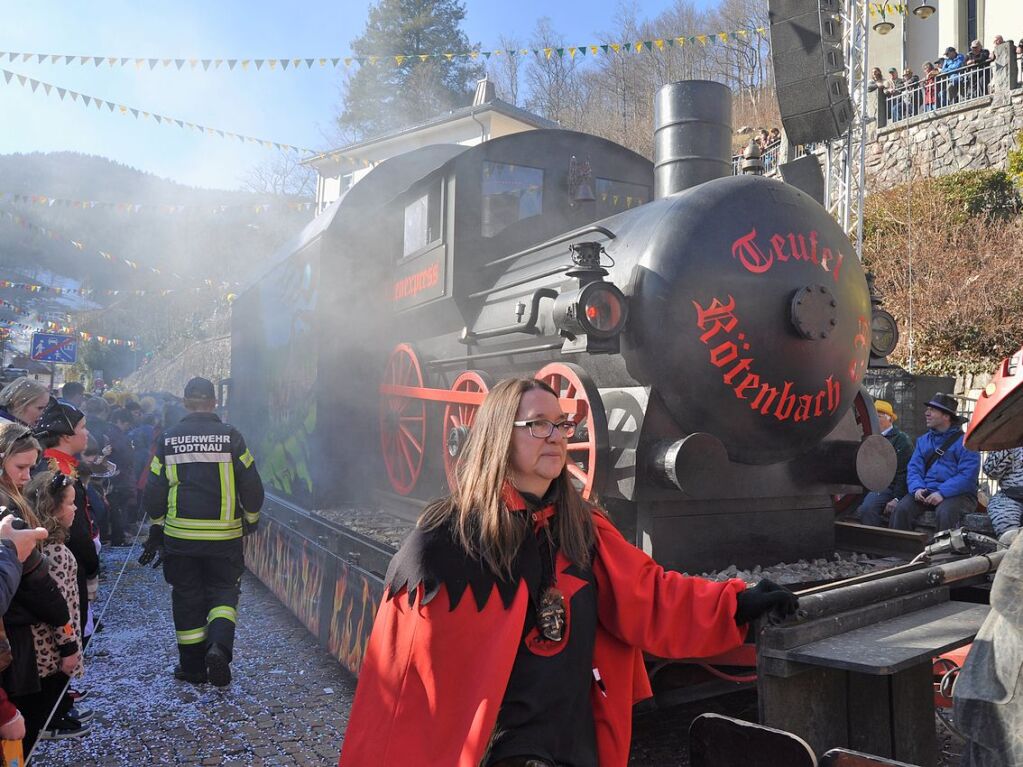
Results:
<point x="511" y="193"/>
<point x="422" y="222"/>
<point x="615" y="196"/>
<point x="971" y="22"/>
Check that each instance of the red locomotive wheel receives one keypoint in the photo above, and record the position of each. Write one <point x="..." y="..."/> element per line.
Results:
<point x="866" y="419"/>
<point x="458" y="419"/>
<point x="588" y="448"/>
<point x="403" y="421"/>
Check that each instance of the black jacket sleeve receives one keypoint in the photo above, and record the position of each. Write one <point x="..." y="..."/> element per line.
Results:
<point x="80" y="536"/>
<point x="38" y="600"/>
<point x="10" y="574"/>
<point x="249" y="484"/>
<point x="154" y="499"/>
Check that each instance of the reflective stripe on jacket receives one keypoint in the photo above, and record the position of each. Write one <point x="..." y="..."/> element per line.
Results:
<point x="203" y="483"/>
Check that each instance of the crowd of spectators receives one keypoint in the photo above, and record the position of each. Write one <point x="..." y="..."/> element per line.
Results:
<point x="953" y="78"/>
<point x="72" y="469"/>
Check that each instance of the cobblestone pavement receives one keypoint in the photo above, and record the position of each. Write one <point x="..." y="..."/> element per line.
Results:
<point x="286" y="705"/>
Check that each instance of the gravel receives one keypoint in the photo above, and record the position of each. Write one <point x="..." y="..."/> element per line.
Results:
<point x="288" y="703"/>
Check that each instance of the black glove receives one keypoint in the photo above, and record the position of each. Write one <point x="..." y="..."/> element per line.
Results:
<point x="154" y="547"/>
<point x="766" y="596"/>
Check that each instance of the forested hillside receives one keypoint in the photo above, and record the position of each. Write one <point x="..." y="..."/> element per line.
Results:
<point x="73" y="221"/>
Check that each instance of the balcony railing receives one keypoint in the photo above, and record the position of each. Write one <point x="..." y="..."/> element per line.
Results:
<point x="960" y="86"/>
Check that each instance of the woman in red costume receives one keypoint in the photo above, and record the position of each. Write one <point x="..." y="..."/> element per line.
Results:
<point x="515" y="616"/>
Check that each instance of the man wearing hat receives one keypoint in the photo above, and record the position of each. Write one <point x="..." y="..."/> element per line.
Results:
<point x="203" y="495"/>
<point x="942" y="473"/>
<point x="953" y="62"/>
<point x="877" y="505"/>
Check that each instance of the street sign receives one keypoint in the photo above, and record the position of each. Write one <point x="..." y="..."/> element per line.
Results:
<point x="53" y="347"/>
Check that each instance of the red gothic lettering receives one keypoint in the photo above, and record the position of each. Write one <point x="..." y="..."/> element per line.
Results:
<point x="778" y="245"/>
<point x="759" y="259"/>
<point x="718" y="313"/>
<point x="750" y="254"/>
<point x="720" y="318"/>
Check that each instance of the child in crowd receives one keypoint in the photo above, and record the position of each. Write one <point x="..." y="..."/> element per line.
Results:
<point x="58" y="656"/>
<point x="38" y="599"/>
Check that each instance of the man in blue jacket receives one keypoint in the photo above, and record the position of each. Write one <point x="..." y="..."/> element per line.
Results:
<point x="942" y="472"/>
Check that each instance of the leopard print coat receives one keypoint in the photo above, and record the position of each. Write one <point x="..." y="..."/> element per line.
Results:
<point x="64" y="570"/>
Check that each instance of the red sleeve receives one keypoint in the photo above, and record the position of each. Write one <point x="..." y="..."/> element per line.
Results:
<point x="661" y="612"/>
<point x="7" y="709"/>
<point x="432" y="682"/>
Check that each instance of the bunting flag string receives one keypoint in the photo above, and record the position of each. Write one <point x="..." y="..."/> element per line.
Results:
<point x="135" y="207"/>
<point x="31" y="287"/>
<point x="53" y="327"/>
<point x="87" y="100"/>
<point x="58" y="237"/>
<point x="397" y="59"/>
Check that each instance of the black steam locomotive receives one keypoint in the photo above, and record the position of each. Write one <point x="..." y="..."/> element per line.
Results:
<point x="709" y="333"/>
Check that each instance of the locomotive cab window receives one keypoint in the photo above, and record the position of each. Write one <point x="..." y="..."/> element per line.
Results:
<point x="422" y="222"/>
<point x="511" y="193"/>
<point x="615" y="196"/>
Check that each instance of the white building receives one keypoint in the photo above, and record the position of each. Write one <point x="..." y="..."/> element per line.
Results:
<point x="914" y="39"/>
<point x="486" y="118"/>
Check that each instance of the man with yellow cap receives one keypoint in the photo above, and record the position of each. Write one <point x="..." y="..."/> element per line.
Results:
<point x="878" y="505"/>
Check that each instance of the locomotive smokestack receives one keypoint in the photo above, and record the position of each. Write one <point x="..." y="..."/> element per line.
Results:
<point x="692" y="135"/>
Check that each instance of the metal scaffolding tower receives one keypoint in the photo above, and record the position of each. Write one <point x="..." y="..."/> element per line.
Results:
<point x="845" y="159"/>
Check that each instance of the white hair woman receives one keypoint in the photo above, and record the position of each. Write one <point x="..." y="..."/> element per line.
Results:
<point x="515" y="616"/>
<point x="23" y="400"/>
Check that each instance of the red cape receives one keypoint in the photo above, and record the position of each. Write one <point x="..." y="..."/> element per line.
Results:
<point x="433" y="678"/>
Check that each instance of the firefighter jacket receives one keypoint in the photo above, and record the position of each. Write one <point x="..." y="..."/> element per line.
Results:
<point x="203" y="487"/>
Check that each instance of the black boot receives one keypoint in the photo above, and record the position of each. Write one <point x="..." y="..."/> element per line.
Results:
<point x="194" y="677"/>
<point x="218" y="666"/>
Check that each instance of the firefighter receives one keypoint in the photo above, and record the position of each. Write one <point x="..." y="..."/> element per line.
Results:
<point x="203" y="496"/>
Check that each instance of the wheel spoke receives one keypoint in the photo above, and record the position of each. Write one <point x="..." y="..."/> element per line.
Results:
<point x="412" y="438"/>
<point x="578" y="472"/>
<point x="578" y="447"/>
<point x="408" y="458"/>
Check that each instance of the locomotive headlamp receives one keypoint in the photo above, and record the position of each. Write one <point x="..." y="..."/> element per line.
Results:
<point x="592" y="316"/>
<point x="597" y="310"/>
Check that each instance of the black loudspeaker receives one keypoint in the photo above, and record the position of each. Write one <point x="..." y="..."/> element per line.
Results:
<point x="804" y="173"/>
<point x="809" y="69"/>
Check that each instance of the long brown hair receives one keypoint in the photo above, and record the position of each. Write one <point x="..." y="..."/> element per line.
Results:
<point x="16" y="439"/>
<point x="47" y="500"/>
<point x="480" y="522"/>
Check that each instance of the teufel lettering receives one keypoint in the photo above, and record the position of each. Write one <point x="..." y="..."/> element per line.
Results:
<point x="781" y="248"/>
<point x="727" y="345"/>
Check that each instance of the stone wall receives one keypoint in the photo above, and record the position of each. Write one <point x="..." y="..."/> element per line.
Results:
<point x="971" y="136"/>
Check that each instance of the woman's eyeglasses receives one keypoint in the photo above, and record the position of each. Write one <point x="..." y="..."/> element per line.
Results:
<point x="542" y="428"/>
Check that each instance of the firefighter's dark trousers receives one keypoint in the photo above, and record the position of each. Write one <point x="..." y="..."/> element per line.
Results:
<point x="204" y="597"/>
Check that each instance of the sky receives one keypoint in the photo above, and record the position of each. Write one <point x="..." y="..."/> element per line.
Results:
<point x="293" y="107"/>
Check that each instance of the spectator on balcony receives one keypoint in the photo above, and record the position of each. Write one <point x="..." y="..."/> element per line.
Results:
<point x="775" y="137"/>
<point x="951" y="70"/>
<point x="876" y="80"/>
<point x="994" y="44"/>
<point x="978" y="63"/>
<point x="1019" y="47"/>
<point x="894" y="90"/>
<point x="763" y="139"/>
<point x="930" y="87"/>
<point x="912" y="97"/>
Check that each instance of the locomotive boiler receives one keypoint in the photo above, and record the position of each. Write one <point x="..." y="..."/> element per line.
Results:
<point x="709" y="333"/>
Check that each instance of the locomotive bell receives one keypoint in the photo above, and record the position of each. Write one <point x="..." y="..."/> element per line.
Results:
<point x="590" y="318"/>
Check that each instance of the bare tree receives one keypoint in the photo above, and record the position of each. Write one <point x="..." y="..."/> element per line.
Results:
<point x="282" y="175"/>
<point x="505" y="69"/>
<point x="554" y="83"/>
